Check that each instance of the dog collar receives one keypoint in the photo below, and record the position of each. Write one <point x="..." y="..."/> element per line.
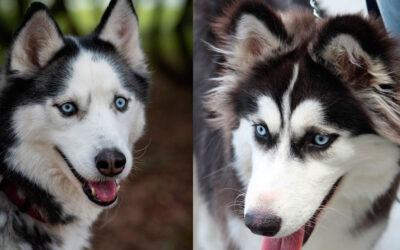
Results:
<point x="16" y="196"/>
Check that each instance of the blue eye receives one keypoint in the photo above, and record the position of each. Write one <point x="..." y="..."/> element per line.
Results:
<point x="321" y="140"/>
<point x="121" y="103"/>
<point x="261" y="130"/>
<point x="68" y="109"/>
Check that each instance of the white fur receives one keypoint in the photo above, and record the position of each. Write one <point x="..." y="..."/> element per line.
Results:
<point x="307" y="114"/>
<point x="207" y="235"/>
<point x="269" y="111"/>
<point x="242" y="150"/>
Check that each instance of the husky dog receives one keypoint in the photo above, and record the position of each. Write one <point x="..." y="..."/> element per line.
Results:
<point x="297" y="132"/>
<point x="71" y="110"/>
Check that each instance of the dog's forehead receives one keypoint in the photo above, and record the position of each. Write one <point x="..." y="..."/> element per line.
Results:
<point x="308" y="113"/>
<point x="278" y="111"/>
<point x="93" y="72"/>
<point x="303" y="94"/>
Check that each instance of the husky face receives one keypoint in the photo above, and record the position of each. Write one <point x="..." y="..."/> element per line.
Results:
<point x="298" y="110"/>
<point x="75" y="107"/>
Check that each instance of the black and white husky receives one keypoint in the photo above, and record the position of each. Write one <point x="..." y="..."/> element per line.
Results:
<point x="297" y="132"/>
<point x="70" y="111"/>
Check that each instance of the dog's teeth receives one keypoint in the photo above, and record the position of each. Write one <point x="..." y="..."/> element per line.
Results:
<point x="93" y="191"/>
<point x="118" y="187"/>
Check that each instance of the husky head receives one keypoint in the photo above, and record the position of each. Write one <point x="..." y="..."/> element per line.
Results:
<point x="301" y="102"/>
<point x="72" y="108"/>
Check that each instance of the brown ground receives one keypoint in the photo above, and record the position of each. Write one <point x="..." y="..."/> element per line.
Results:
<point x="155" y="205"/>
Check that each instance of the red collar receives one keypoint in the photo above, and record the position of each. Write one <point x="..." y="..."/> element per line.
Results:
<point x="17" y="197"/>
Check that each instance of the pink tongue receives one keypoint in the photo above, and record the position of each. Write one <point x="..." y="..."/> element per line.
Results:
<point x="105" y="190"/>
<point x="290" y="242"/>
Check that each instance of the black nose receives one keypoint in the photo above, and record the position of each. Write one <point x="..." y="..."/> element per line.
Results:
<point x="263" y="223"/>
<point x="110" y="162"/>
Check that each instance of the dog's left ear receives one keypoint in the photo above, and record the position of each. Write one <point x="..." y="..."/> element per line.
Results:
<point x="360" y="52"/>
<point x="120" y="27"/>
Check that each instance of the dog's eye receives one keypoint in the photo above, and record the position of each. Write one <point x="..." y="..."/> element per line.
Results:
<point x="68" y="109"/>
<point x="261" y="130"/>
<point x="321" y="140"/>
<point x="121" y="103"/>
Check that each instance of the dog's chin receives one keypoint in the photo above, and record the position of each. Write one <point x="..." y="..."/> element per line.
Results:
<point x="103" y="193"/>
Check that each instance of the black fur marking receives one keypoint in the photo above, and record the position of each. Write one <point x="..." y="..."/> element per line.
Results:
<point x="267" y="78"/>
<point x="32" y="235"/>
<point x="341" y="108"/>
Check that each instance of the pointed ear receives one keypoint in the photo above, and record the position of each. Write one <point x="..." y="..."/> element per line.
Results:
<point x="360" y="52"/>
<point x="247" y="31"/>
<point x="119" y="26"/>
<point x="35" y="42"/>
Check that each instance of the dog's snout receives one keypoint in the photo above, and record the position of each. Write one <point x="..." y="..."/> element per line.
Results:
<point x="110" y="162"/>
<point x="265" y="224"/>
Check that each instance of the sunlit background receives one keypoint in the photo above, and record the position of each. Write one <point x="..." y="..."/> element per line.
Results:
<point x="155" y="206"/>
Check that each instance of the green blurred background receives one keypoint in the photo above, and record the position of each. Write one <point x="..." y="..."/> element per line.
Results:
<point x="155" y="206"/>
<point x="166" y="27"/>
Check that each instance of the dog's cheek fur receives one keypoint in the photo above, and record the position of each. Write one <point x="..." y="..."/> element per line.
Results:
<point x="361" y="53"/>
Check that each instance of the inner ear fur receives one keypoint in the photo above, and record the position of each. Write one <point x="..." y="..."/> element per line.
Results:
<point x="119" y="26"/>
<point x="36" y="41"/>
<point x="247" y="31"/>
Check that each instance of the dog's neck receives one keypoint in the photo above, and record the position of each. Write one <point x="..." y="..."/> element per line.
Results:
<point x="33" y="200"/>
<point x="39" y="209"/>
<point x="18" y="198"/>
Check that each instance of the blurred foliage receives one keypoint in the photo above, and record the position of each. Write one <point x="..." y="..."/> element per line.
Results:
<point x="166" y="28"/>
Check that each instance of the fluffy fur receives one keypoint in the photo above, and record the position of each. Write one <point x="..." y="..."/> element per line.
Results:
<point x="46" y="154"/>
<point x="298" y="77"/>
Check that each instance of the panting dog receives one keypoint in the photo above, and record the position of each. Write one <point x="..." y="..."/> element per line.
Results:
<point x="296" y="128"/>
<point x="71" y="110"/>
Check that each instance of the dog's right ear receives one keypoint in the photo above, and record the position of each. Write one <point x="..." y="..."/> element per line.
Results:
<point x="36" y="41"/>
<point x="120" y="27"/>
<point x="360" y="52"/>
<point x="247" y="31"/>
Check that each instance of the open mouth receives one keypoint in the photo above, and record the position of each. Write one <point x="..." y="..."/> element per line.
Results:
<point x="296" y="240"/>
<point x="102" y="193"/>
